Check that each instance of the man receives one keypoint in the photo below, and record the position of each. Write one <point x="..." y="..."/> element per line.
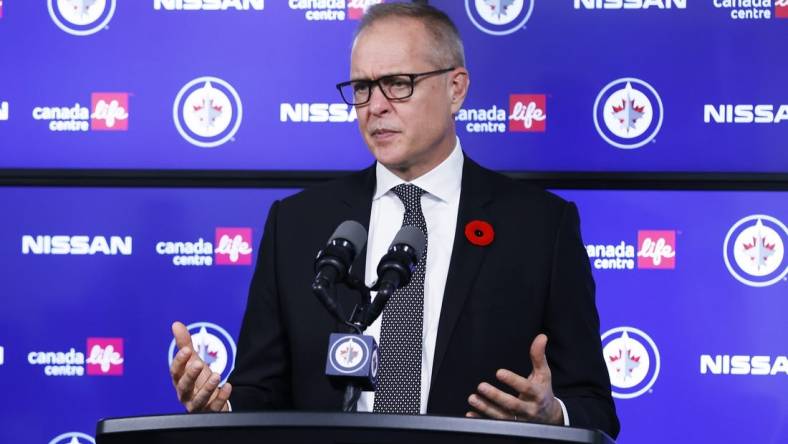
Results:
<point x="505" y="267"/>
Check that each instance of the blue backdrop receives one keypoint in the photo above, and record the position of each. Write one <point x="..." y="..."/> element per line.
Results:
<point x="694" y="353"/>
<point x="691" y="285"/>
<point x="571" y="85"/>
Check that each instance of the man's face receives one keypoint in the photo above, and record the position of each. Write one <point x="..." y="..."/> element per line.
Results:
<point x="413" y="135"/>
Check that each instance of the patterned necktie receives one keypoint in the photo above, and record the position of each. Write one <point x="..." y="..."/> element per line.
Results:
<point x="399" y="375"/>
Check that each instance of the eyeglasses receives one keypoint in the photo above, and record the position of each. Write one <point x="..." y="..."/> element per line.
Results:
<point x="393" y="87"/>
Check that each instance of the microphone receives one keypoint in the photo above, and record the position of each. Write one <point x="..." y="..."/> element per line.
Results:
<point x="396" y="267"/>
<point x="333" y="262"/>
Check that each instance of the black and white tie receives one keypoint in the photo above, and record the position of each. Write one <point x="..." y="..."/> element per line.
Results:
<point x="399" y="375"/>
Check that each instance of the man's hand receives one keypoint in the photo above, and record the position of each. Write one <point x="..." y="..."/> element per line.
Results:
<point x="535" y="402"/>
<point x="196" y="385"/>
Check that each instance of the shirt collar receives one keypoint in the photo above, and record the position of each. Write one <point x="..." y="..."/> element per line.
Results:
<point x="443" y="181"/>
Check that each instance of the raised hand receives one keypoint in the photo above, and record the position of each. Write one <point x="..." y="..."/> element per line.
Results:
<point x="535" y="401"/>
<point x="196" y="385"/>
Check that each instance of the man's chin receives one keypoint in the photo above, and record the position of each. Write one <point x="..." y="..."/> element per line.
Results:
<point x="389" y="154"/>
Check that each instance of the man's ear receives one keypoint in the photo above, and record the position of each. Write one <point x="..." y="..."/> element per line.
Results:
<point x="459" y="81"/>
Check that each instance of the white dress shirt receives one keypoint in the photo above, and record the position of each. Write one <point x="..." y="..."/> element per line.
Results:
<point x="440" y="205"/>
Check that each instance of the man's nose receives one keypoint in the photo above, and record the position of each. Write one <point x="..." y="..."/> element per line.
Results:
<point x="378" y="103"/>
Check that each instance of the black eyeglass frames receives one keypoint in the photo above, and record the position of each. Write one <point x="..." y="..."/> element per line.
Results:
<point x="393" y="87"/>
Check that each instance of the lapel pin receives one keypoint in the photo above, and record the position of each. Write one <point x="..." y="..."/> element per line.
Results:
<point x="479" y="232"/>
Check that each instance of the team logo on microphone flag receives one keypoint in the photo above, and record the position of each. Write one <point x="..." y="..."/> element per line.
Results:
<point x="354" y="357"/>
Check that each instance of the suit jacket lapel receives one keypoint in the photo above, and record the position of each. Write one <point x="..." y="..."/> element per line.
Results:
<point x="466" y="258"/>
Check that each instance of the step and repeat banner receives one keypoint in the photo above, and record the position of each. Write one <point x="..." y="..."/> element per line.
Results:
<point x="556" y="85"/>
<point x="691" y="285"/>
<point x="691" y="290"/>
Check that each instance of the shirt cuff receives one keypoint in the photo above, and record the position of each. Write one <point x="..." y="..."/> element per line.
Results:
<point x="563" y="409"/>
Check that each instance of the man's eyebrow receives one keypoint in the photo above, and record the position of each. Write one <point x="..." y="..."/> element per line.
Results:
<point x="367" y="79"/>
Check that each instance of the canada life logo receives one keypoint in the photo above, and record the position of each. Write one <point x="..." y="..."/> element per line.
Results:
<point x="213" y="345"/>
<point x="233" y="246"/>
<point x="81" y="17"/>
<point x="105" y="357"/>
<point x="628" y="113"/>
<point x="499" y="17"/>
<point x="527" y="113"/>
<point x="110" y="111"/>
<point x="207" y="112"/>
<point x="332" y="10"/>
<point x="632" y="360"/>
<point x="754" y="250"/>
<point x="657" y="249"/>
<point x="73" y="438"/>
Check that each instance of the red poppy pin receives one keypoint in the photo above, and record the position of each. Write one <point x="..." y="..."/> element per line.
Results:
<point x="479" y="232"/>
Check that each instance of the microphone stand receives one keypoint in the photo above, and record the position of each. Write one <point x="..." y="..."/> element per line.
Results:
<point x="356" y="324"/>
<point x="356" y="321"/>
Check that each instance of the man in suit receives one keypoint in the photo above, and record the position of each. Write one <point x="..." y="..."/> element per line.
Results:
<point x="504" y="267"/>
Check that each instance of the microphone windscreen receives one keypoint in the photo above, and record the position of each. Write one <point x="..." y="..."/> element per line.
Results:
<point x="353" y="232"/>
<point x="412" y="236"/>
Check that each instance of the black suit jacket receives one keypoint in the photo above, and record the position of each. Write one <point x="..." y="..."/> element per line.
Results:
<point x="534" y="277"/>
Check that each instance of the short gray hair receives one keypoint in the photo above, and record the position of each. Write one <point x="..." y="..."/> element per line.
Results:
<point x="448" y="49"/>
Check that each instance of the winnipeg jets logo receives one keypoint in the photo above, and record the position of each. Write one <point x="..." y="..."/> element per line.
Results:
<point x="628" y="113"/>
<point x="499" y="17"/>
<point x="213" y="345"/>
<point x="207" y="112"/>
<point x="754" y="250"/>
<point x="81" y="17"/>
<point x="632" y="361"/>
<point x="73" y="438"/>
<point x="348" y="354"/>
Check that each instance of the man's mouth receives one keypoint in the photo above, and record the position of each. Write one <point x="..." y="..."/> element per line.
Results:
<point x="383" y="132"/>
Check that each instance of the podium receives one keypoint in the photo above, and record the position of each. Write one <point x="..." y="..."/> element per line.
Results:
<point x="344" y="428"/>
